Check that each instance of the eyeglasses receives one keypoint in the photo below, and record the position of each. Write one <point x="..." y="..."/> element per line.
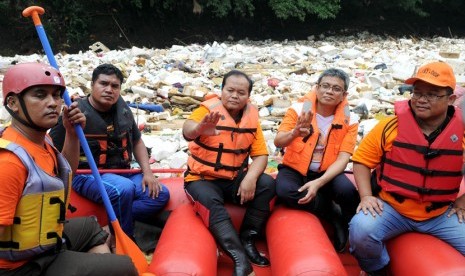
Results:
<point x="428" y="97"/>
<point x="326" y="87"/>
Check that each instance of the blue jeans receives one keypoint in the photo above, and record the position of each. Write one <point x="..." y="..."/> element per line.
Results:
<point x="126" y="197"/>
<point x="368" y="234"/>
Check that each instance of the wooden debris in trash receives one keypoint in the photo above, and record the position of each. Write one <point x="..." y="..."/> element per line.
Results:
<point x="184" y="100"/>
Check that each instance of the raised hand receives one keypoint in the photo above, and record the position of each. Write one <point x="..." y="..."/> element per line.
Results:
<point x="302" y="127"/>
<point x="208" y="124"/>
<point x="72" y="116"/>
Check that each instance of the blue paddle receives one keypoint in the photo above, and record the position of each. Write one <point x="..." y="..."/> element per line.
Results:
<point x="124" y="245"/>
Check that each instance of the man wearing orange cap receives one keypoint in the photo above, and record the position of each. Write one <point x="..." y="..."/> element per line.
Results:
<point x="416" y="158"/>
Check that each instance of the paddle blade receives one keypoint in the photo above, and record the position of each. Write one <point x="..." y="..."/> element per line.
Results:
<point x="126" y="246"/>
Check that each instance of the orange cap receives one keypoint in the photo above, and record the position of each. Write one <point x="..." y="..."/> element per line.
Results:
<point x="435" y="73"/>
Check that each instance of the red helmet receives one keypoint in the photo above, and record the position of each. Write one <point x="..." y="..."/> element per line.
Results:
<point x="24" y="75"/>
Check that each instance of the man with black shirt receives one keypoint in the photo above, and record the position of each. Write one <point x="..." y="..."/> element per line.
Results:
<point x="113" y="138"/>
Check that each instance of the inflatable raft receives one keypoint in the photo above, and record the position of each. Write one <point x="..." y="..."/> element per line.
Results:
<point x="297" y="243"/>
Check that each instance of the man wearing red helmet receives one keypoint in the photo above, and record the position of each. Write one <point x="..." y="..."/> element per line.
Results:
<point x="35" y="237"/>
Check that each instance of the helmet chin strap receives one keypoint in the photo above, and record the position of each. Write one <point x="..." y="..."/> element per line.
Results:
<point x="29" y="123"/>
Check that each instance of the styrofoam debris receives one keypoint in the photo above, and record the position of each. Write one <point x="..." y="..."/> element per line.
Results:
<point x="282" y="71"/>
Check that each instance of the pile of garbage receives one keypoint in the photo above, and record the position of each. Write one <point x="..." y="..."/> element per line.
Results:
<point x="163" y="86"/>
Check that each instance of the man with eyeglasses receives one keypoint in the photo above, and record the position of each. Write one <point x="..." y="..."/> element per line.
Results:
<point x="417" y="157"/>
<point x="318" y="143"/>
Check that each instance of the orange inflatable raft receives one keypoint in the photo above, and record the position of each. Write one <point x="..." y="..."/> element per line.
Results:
<point x="83" y="207"/>
<point x="297" y="244"/>
<point x="294" y="238"/>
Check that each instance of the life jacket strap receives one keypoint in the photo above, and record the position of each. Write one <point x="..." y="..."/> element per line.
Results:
<point x="236" y="129"/>
<point x="214" y="165"/>
<point x="218" y="157"/>
<point x="235" y="151"/>
<point x="59" y="241"/>
<point x="422" y="171"/>
<point x="420" y="190"/>
<point x="57" y="200"/>
<point x="427" y="152"/>
<point x="9" y="244"/>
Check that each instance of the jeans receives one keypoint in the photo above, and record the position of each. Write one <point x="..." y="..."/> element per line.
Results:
<point x="368" y="234"/>
<point x="126" y="196"/>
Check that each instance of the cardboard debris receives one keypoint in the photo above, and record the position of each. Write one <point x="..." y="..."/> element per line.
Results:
<point x="99" y="47"/>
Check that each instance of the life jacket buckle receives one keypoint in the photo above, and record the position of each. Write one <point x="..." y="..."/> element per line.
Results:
<point x="425" y="191"/>
<point x="430" y="154"/>
<point x="426" y="172"/>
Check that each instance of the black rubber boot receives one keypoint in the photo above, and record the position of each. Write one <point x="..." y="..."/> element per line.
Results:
<point x="380" y="272"/>
<point x="254" y="221"/>
<point x="341" y="228"/>
<point x="226" y="236"/>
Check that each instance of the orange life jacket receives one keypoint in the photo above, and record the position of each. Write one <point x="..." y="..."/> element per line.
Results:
<point x="298" y="154"/>
<point x="416" y="170"/>
<point x="224" y="155"/>
<point x="111" y="147"/>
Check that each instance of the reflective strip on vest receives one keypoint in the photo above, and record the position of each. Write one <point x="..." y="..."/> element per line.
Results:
<point x="40" y="213"/>
<point x="299" y="153"/>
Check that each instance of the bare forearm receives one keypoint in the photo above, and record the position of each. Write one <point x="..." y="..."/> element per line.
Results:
<point x="336" y="168"/>
<point x="284" y="138"/>
<point x="189" y="129"/>
<point x="258" y="166"/>
<point x="362" y="176"/>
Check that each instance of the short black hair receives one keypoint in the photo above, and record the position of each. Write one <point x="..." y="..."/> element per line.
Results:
<point x="338" y="73"/>
<point x="107" y="69"/>
<point x="237" y="73"/>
